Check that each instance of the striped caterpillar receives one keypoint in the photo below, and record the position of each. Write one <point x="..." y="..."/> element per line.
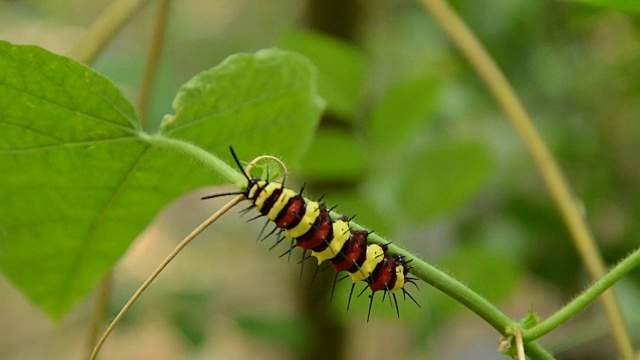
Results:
<point x="310" y="227"/>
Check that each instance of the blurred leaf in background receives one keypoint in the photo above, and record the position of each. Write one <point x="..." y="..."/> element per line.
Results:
<point x="445" y="177"/>
<point x="341" y="69"/>
<point x="624" y="5"/>
<point x="402" y="113"/>
<point x="410" y="114"/>
<point x="287" y="333"/>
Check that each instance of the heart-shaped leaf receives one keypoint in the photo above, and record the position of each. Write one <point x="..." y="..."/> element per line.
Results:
<point x="80" y="180"/>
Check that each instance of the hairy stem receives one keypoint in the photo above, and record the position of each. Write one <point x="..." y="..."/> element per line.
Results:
<point x="536" y="352"/>
<point x="187" y="148"/>
<point x="556" y="184"/>
<point x="103" y="29"/>
<point x="584" y="299"/>
<point x="428" y="273"/>
<point x="459" y="292"/>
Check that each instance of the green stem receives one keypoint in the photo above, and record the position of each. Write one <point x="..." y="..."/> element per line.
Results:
<point x="584" y="299"/>
<point x="535" y="351"/>
<point x="450" y="286"/>
<point x="429" y="274"/>
<point x="459" y="292"/>
<point x="421" y="269"/>
<point x="497" y="83"/>
<point x="198" y="153"/>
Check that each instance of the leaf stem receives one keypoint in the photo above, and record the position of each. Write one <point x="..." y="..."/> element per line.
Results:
<point x="421" y="269"/>
<point x="103" y="29"/>
<point x="458" y="291"/>
<point x="535" y="351"/>
<point x="555" y="182"/>
<point x="198" y="153"/>
<point x="584" y="299"/>
<point x="431" y="275"/>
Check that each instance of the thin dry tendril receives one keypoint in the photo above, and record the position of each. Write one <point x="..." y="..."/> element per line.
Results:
<point x="177" y="250"/>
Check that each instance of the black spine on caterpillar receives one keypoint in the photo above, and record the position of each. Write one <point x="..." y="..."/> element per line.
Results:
<point x="309" y="224"/>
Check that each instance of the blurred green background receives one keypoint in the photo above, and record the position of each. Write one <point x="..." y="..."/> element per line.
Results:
<point x="412" y="143"/>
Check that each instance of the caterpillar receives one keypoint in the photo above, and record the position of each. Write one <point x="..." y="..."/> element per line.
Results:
<point x="311" y="228"/>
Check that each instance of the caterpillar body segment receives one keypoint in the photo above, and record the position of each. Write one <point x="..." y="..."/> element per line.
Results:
<point x="310" y="227"/>
<point x="325" y="230"/>
<point x="339" y="236"/>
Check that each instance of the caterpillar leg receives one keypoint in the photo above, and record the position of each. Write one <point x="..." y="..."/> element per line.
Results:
<point x="309" y="225"/>
<point x="406" y="293"/>
<point x="370" y="305"/>
<point x="333" y="288"/>
<point x="395" y="301"/>
<point x="304" y="252"/>
<point x="288" y="252"/>
<point x="280" y="239"/>
<point x="385" y="292"/>
<point x="315" y="273"/>
<point x="247" y="209"/>
<point x="350" y="293"/>
<point x="264" y="227"/>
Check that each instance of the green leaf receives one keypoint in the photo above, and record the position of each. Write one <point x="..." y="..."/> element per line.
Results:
<point x="259" y="103"/>
<point x="404" y="108"/>
<point x="445" y="177"/>
<point x="68" y="146"/>
<point x="624" y="5"/>
<point x="530" y="320"/>
<point x="80" y="181"/>
<point x="341" y="69"/>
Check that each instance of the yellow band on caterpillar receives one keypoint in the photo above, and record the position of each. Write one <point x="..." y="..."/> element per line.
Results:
<point x="311" y="213"/>
<point x="282" y="201"/>
<point x="267" y="190"/>
<point x="399" y="279"/>
<point x="375" y="254"/>
<point x="340" y="236"/>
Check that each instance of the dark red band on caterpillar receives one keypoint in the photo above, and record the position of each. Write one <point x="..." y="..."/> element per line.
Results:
<point x="310" y="226"/>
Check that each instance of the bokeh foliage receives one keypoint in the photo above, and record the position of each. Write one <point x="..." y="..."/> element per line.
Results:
<point x="417" y="148"/>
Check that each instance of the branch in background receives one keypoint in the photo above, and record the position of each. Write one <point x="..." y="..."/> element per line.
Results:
<point x="549" y="170"/>
<point x="103" y="29"/>
<point x="153" y="58"/>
